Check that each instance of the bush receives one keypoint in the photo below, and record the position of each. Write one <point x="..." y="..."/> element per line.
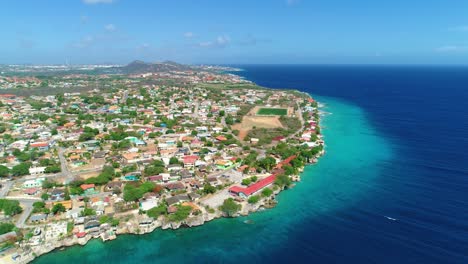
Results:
<point x="155" y="212"/>
<point x="182" y="213"/>
<point x="267" y="192"/>
<point x="253" y="199"/>
<point x="6" y="227"/>
<point x="10" y="207"/>
<point x="230" y="207"/>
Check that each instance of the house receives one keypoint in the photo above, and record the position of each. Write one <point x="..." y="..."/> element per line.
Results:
<point x="57" y="194"/>
<point x="36" y="183"/>
<point x="189" y="161"/>
<point x="175" y="186"/>
<point x="31" y="191"/>
<point x="38" y="218"/>
<point x="223" y="164"/>
<point x="67" y="204"/>
<point x="177" y="199"/>
<point x="41" y="146"/>
<point x="245" y="192"/>
<point x="87" y="187"/>
<point x="174" y="167"/>
<point x="36" y="170"/>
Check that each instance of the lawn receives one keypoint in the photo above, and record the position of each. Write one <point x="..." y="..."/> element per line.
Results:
<point x="272" y="111"/>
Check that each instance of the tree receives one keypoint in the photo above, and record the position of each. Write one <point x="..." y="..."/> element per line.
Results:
<point x="45" y="196"/>
<point x="21" y="169"/>
<point x="155" y="212"/>
<point x="10" y="207"/>
<point x="6" y="227"/>
<point x="267" y="192"/>
<point x="173" y="160"/>
<point x="267" y="163"/>
<point x="253" y="199"/>
<point x="230" y="207"/>
<point x="58" y="208"/>
<point x="4" y="171"/>
<point x="246" y="181"/>
<point x="283" y="180"/>
<point x="87" y="212"/>
<point x="208" y="188"/>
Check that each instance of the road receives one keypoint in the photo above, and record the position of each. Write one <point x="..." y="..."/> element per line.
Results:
<point x="63" y="165"/>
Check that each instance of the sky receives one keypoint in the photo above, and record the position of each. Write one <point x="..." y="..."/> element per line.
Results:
<point x="234" y="32"/>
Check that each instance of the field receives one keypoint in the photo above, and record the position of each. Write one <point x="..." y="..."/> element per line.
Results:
<point x="272" y="111"/>
<point x="250" y="122"/>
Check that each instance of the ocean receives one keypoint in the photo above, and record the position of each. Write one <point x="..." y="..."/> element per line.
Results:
<point x="391" y="188"/>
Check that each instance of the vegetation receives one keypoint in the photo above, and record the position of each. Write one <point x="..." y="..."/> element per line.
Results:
<point x="230" y="207"/>
<point x="253" y="199"/>
<point x="182" y="213"/>
<point x="10" y="207"/>
<point x="155" y="212"/>
<point x="133" y="193"/>
<point x="267" y="192"/>
<point x="272" y="111"/>
<point x="6" y="227"/>
<point x="58" y="208"/>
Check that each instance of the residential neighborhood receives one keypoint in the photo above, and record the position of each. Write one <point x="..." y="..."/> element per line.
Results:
<point x="142" y="151"/>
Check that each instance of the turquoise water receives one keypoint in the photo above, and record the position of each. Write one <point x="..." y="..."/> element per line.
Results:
<point x="343" y="178"/>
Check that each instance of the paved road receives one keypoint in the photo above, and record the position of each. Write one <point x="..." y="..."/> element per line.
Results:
<point x="27" y="210"/>
<point x="63" y="164"/>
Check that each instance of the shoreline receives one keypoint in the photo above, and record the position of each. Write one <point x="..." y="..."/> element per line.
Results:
<point x="134" y="228"/>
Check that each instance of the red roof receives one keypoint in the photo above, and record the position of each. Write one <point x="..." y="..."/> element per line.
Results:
<point x="80" y="234"/>
<point x="286" y="161"/>
<point x="87" y="186"/>
<point x="39" y="144"/>
<point x="254" y="187"/>
<point x="190" y="159"/>
<point x="31" y="191"/>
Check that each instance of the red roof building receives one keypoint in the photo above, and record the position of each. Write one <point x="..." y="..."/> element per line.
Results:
<point x="241" y="191"/>
<point x="190" y="160"/>
<point x="87" y="186"/>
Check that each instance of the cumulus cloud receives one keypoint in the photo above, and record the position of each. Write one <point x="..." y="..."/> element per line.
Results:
<point x="220" y="42"/>
<point x="110" y="27"/>
<point x="93" y="2"/>
<point x="452" y="48"/>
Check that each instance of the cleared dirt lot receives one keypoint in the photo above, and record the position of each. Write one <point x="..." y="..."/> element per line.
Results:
<point x="252" y="120"/>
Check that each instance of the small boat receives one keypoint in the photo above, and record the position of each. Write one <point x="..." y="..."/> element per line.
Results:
<point x="248" y="222"/>
<point x="390" y="218"/>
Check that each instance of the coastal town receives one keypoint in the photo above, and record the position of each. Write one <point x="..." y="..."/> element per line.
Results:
<point x="128" y="149"/>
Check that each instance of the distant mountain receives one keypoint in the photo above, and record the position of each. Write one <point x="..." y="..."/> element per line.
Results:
<point x="138" y="66"/>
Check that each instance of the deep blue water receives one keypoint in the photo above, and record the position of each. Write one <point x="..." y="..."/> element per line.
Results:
<point x="397" y="146"/>
<point x="423" y="111"/>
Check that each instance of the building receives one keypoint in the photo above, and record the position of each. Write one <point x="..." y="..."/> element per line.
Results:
<point x="36" y="170"/>
<point x="36" y="183"/>
<point x="254" y="188"/>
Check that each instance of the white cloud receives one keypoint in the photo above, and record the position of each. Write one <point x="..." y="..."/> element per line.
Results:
<point x="189" y="34"/>
<point x="220" y="42"/>
<point x="93" y="2"/>
<point x="452" y="48"/>
<point x="110" y="27"/>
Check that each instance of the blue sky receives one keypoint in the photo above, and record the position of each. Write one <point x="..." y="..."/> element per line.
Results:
<point x="242" y="31"/>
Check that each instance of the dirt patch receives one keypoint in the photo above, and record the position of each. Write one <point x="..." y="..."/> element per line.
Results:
<point x="249" y="122"/>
